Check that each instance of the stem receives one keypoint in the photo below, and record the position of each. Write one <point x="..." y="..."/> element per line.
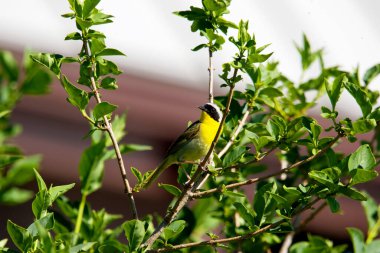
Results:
<point x="254" y="180"/>
<point x="210" y="77"/>
<point x="218" y="241"/>
<point x="234" y="134"/>
<point x="287" y="242"/>
<point x="235" y="238"/>
<point x="78" y="222"/>
<point x="108" y="128"/>
<point x="195" y="180"/>
<point x="310" y="218"/>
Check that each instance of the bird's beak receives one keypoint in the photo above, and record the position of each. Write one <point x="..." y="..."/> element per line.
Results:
<point x="202" y="107"/>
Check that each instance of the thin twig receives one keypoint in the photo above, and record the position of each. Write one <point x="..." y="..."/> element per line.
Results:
<point x="234" y="134"/>
<point x="218" y="241"/>
<point x="210" y="77"/>
<point x="235" y="238"/>
<point x="254" y="180"/>
<point x="108" y="128"/>
<point x="287" y="242"/>
<point x="195" y="180"/>
<point x="310" y="217"/>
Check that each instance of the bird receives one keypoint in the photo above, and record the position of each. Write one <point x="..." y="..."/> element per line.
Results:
<point x="191" y="146"/>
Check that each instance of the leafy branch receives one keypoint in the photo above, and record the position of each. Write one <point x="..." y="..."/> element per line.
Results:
<point x="216" y="242"/>
<point x="206" y="193"/>
<point x="108" y="128"/>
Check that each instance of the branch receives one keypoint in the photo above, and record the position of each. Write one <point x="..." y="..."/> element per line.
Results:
<point x="108" y="128"/>
<point x="310" y="218"/>
<point x="257" y="179"/>
<point x="235" y="238"/>
<point x="210" y="77"/>
<point x="218" y="241"/>
<point x="234" y="134"/>
<point x="195" y="179"/>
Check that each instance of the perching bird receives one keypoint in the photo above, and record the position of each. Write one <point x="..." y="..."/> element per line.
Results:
<point x="192" y="145"/>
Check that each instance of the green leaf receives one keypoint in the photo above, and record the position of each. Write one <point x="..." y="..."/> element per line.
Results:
<point x="352" y="193"/>
<point x="371" y="73"/>
<point x="109" y="83"/>
<point x="134" y="231"/>
<point x="373" y="247"/>
<point x="199" y="47"/>
<point x="103" y="109"/>
<point x="334" y="90"/>
<point x="109" y="51"/>
<point x="48" y="60"/>
<point x="360" y="176"/>
<point x="214" y="5"/>
<point x="233" y="156"/>
<point x="360" y="96"/>
<point x="20" y="236"/>
<point x="74" y="36"/>
<point x="105" y="67"/>
<point x="118" y="126"/>
<point x="40" y="181"/>
<point x="22" y="171"/>
<point x="137" y="174"/>
<point x="77" y="97"/>
<point x="246" y="213"/>
<point x="259" y="58"/>
<point x="4" y="113"/>
<point x="41" y="203"/>
<point x="357" y="239"/>
<point x="362" y="126"/>
<point x="270" y="92"/>
<point x="8" y="65"/>
<point x="59" y="190"/>
<point x="82" y="247"/>
<point x="273" y="129"/>
<point x="362" y="158"/>
<point x="173" y="229"/>
<point x="91" y="167"/>
<point x="36" y="82"/>
<point x="15" y="196"/>
<point x="88" y="6"/>
<point x="128" y="148"/>
<point x="171" y="189"/>
<point x="333" y="204"/>
<point x="323" y="178"/>
<point x="47" y="222"/>
<point x="371" y="211"/>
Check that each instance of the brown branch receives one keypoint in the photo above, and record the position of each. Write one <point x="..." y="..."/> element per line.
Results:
<point x="310" y="217"/>
<point x="195" y="180"/>
<point x="254" y="180"/>
<point x="108" y="128"/>
<point x="218" y="241"/>
<point x="235" y="238"/>
<point x="210" y="77"/>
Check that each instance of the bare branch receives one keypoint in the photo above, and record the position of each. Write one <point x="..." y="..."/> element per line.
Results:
<point x="210" y="77"/>
<point x="108" y="128"/>
<point x="219" y="241"/>
<point x="215" y="242"/>
<point x="254" y="180"/>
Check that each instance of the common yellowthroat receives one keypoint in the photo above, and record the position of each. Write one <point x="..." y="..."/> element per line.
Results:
<point x="192" y="145"/>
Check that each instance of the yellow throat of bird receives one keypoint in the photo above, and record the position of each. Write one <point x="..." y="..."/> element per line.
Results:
<point x="208" y="128"/>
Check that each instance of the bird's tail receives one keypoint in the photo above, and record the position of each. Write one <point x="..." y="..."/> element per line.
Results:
<point x="153" y="175"/>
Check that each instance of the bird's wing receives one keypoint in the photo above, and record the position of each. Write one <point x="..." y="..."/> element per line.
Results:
<point x="184" y="138"/>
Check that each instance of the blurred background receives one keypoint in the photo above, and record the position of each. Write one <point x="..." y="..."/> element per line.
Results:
<point x="164" y="82"/>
